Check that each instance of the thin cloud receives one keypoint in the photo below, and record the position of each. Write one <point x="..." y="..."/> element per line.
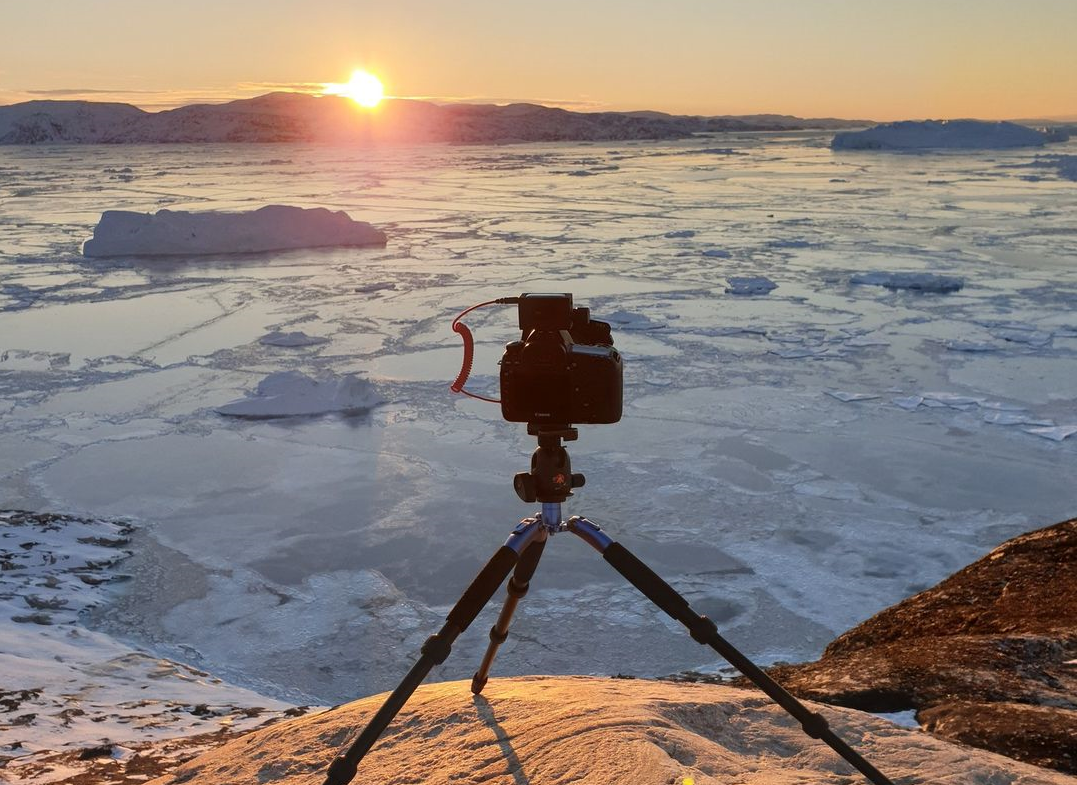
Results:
<point x="563" y="103"/>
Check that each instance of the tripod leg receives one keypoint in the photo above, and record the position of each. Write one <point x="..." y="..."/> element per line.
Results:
<point x="437" y="647"/>
<point x="705" y="631"/>
<point x="499" y="633"/>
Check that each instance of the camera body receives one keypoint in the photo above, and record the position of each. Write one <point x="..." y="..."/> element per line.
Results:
<point x="563" y="369"/>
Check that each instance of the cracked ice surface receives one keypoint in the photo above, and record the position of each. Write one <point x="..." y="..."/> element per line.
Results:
<point x="792" y="463"/>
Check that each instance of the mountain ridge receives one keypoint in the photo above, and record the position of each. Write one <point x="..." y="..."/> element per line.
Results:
<point x="298" y="117"/>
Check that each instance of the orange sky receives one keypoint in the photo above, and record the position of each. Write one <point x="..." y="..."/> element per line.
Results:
<point x="848" y="58"/>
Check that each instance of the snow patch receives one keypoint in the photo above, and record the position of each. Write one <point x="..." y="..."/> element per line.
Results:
<point x="291" y="394"/>
<point x="270" y="228"/>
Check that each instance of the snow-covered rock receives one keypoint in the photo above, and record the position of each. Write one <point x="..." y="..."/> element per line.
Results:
<point x="74" y="701"/>
<point x="982" y="656"/>
<point x="919" y="282"/>
<point x="940" y="134"/>
<point x="270" y="228"/>
<point x="292" y="394"/>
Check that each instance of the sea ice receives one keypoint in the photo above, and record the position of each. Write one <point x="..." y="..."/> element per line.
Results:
<point x="1065" y="164"/>
<point x="292" y="339"/>
<point x="919" y="282"/>
<point x="291" y="393"/>
<point x="750" y="285"/>
<point x="932" y="134"/>
<point x="1056" y="433"/>
<point x="270" y="228"/>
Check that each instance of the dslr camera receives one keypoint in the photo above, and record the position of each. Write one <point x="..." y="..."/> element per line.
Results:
<point x="564" y="368"/>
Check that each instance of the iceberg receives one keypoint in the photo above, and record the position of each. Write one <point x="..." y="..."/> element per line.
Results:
<point x="291" y="340"/>
<point x="292" y="394"/>
<point x="270" y="228"/>
<point x="750" y="285"/>
<point x="940" y="134"/>
<point x="918" y="282"/>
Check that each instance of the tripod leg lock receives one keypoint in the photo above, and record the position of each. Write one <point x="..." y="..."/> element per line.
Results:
<point x="340" y="771"/>
<point x="703" y="630"/>
<point x="437" y="649"/>
<point x="814" y="725"/>
<point x="518" y="590"/>
<point x="498" y="637"/>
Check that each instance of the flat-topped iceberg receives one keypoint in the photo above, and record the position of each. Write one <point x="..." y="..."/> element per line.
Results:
<point x="271" y="228"/>
<point x="940" y="134"/>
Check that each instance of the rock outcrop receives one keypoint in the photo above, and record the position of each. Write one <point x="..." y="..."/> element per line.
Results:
<point x="988" y="657"/>
<point x="587" y="731"/>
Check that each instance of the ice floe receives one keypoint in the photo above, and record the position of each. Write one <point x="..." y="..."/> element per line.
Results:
<point x="750" y="285"/>
<point x="624" y="320"/>
<point x="291" y="393"/>
<point x="270" y="228"/>
<point x="1014" y="418"/>
<point x="934" y="134"/>
<point x="908" y="402"/>
<point x="847" y="397"/>
<point x="919" y="282"/>
<point x="971" y="347"/>
<point x="1055" y="433"/>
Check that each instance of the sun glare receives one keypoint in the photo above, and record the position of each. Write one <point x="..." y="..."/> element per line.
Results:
<point x="364" y="88"/>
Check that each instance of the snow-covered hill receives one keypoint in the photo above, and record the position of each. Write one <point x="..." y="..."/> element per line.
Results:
<point x="297" y="117"/>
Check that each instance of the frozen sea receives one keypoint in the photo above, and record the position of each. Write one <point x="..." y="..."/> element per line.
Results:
<point x="792" y="461"/>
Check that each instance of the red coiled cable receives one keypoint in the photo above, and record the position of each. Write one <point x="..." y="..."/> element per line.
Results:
<point x="469" y="347"/>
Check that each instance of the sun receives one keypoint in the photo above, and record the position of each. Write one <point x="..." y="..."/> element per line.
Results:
<point x="364" y="88"/>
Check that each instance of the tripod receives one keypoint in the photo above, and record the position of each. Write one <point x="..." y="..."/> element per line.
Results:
<point x="550" y="482"/>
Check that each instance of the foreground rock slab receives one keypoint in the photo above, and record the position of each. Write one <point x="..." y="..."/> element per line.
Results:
<point x="588" y="731"/>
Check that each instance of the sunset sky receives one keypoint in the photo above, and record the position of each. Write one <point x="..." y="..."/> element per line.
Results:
<point x="848" y="58"/>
